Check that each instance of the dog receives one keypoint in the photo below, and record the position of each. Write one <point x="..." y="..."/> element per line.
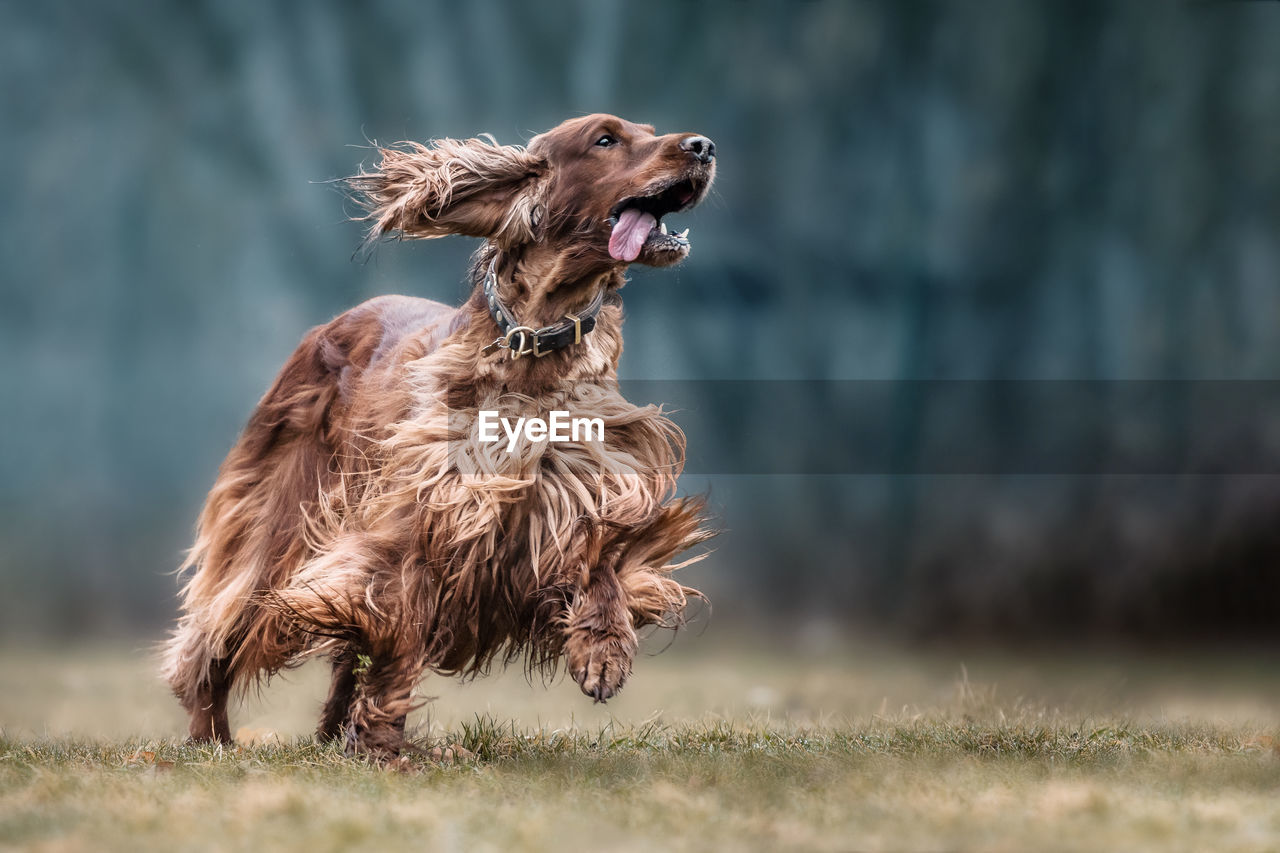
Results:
<point x="363" y="515"/>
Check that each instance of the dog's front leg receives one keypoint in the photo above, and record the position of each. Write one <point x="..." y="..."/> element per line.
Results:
<point x="601" y="641"/>
<point x="383" y="698"/>
<point x="381" y="657"/>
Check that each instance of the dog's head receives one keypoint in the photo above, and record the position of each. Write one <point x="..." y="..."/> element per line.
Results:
<point x="596" y="186"/>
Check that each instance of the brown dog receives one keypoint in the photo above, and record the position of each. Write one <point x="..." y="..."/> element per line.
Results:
<point x="366" y="514"/>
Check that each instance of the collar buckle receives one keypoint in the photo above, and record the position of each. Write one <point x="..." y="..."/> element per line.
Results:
<point x="526" y="334"/>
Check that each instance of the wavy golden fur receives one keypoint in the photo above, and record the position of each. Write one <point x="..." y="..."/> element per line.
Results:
<point x="361" y="517"/>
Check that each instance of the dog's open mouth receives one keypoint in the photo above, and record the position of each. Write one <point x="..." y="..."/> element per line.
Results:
<point x="638" y="227"/>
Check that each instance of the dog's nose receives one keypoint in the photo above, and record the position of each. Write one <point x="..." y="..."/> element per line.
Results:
<point x="699" y="146"/>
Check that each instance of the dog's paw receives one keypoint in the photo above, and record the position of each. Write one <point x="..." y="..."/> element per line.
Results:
<point x="599" y="664"/>
<point x="380" y="745"/>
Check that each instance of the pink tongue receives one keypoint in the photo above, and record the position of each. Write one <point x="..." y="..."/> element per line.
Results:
<point x="629" y="234"/>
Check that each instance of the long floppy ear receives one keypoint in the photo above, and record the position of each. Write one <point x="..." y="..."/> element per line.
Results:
<point x="473" y="187"/>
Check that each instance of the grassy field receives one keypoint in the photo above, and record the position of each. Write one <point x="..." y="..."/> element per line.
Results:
<point x="713" y="745"/>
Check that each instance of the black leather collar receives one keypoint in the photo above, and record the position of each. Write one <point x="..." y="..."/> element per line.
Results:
<point x="524" y="340"/>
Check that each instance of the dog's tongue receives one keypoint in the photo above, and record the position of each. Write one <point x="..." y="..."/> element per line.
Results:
<point x="629" y="234"/>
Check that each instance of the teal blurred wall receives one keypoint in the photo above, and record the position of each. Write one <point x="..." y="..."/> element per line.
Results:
<point x="909" y="190"/>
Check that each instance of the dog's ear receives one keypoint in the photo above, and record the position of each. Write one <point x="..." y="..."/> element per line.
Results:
<point x="473" y="187"/>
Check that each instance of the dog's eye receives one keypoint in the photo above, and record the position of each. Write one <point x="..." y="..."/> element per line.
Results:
<point x="606" y="141"/>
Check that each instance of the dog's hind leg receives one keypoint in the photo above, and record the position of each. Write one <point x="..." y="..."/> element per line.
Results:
<point x="209" y="719"/>
<point x="202" y="683"/>
<point x="206" y="703"/>
<point x="342" y="688"/>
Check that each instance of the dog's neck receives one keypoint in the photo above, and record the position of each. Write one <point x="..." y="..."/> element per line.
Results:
<point x="538" y="290"/>
<point x="543" y="288"/>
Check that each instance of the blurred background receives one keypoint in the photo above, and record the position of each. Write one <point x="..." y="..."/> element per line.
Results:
<point x="1036" y="247"/>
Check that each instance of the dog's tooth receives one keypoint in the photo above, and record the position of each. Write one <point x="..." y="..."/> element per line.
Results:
<point x="662" y="226"/>
<point x="684" y="235"/>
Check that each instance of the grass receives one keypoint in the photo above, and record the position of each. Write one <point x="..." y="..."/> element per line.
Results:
<point x="713" y="748"/>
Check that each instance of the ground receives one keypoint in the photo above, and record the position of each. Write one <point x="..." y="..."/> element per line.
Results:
<point x="715" y="744"/>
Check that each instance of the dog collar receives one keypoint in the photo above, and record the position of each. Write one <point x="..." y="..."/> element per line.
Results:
<point x="525" y="340"/>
